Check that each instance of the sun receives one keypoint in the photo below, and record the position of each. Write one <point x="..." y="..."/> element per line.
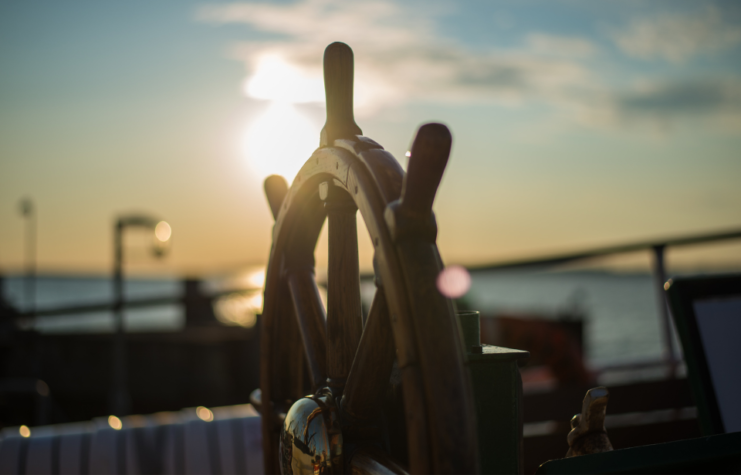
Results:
<point x="279" y="141"/>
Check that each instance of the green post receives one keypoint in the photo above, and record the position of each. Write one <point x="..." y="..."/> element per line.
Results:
<point x="497" y="388"/>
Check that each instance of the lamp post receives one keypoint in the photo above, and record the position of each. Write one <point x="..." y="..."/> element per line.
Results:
<point x="28" y="212"/>
<point x="120" y="398"/>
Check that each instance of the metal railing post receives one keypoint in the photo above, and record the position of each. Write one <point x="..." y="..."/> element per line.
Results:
<point x="659" y="274"/>
<point x="119" y="390"/>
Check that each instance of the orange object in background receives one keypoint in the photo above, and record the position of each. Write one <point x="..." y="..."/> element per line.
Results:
<point x="553" y="344"/>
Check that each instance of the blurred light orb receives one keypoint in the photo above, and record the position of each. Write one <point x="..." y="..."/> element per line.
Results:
<point x="204" y="414"/>
<point x="454" y="282"/>
<point x="163" y="231"/>
<point x="24" y="431"/>
<point x="115" y="422"/>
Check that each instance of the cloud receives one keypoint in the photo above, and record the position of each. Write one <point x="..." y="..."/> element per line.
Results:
<point x="664" y="103"/>
<point x="402" y="57"/>
<point x="698" y="97"/>
<point x="714" y="100"/>
<point x="324" y="21"/>
<point x="677" y="37"/>
<point x="560" y="45"/>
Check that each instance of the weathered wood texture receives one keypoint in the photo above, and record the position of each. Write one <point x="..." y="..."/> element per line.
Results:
<point x="276" y="189"/>
<point x="371" y="369"/>
<point x="453" y="446"/>
<point x="338" y="84"/>
<point x="373" y="461"/>
<point x="287" y="383"/>
<point x="344" y="313"/>
<point x="311" y="321"/>
<point x="427" y="161"/>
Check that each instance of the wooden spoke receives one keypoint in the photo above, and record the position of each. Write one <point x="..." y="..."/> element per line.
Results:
<point x="276" y="189"/>
<point x="344" y="314"/>
<point x="373" y="461"/>
<point x="282" y="375"/>
<point x="454" y="445"/>
<point x="338" y="77"/>
<point x="299" y="386"/>
<point x="311" y="322"/>
<point x="288" y="382"/>
<point x="427" y="160"/>
<point x="374" y="360"/>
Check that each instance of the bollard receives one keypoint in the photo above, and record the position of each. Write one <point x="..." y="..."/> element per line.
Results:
<point x="497" y="388"/>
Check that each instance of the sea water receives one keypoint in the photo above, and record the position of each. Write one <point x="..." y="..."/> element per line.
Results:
<point x="67" y="291"/>
<point x="621" y="310"/>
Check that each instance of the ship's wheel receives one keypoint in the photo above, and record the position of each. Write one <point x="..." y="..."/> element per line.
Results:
<point x="402" y="373"/>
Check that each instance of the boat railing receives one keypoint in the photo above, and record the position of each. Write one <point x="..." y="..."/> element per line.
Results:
<point x="128" y="303"/>
<point x="657" y="248"/>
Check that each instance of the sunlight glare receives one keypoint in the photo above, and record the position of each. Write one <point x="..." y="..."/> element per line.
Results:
<point x="255" y="279"/>
<point x="280" y="141"/>
<point x="276" y="80"/>
<point x="238" y="308"/>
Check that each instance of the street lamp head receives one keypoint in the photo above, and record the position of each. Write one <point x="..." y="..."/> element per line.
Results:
<point x="162" y="234"/>
<point x="137" y="221"/>
<point x="161" y="229"/>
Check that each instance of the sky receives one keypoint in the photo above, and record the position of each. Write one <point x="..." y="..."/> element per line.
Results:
<point x="576" y="124"/>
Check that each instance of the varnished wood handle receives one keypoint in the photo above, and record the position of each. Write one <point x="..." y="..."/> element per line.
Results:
<point x="276" y="189"/>
<point x="429" y="155"/>
<point x="338" y="89"/>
